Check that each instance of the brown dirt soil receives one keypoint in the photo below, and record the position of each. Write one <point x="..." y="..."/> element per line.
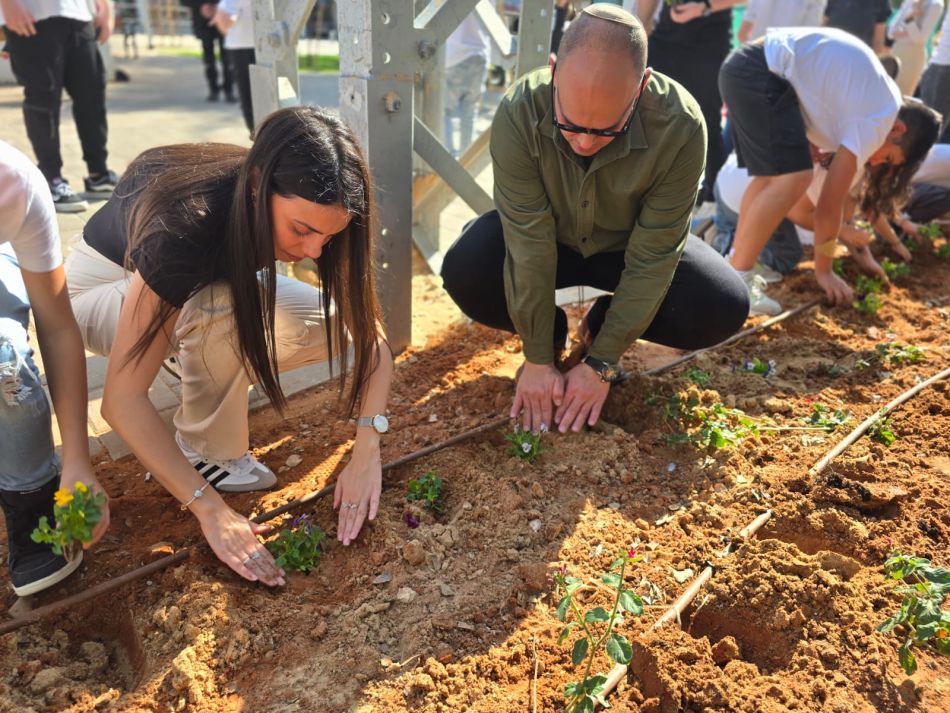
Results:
<point x="462" y="618"/>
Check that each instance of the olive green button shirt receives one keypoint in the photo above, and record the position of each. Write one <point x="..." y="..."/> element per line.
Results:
<point x="635" y="198"/>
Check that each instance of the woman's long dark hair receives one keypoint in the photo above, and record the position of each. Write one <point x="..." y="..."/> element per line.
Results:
<point x="297" y="151"/>
<point x="886" y="187"/>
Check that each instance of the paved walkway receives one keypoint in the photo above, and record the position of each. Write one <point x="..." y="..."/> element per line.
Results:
<point x="164" y="103"/>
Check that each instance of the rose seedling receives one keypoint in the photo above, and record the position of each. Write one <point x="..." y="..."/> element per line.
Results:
<point x="881" y="431"/>
<point x="524" y="444"/>
<point x="894" y="270"/>
<point x="823" y="417"/>
<point x="931" y="231"/>
<point x="898" y="354"/>
<point x="869" y="304"/>
<point x="597" y="628"/>
<point x="922" y="620"/>
<point x="698" y="376"/>
<point x="427" y="490"/>
<point x="298" y="546"/>
<point x="757" y="366"/>
<point x="76" y="514"/>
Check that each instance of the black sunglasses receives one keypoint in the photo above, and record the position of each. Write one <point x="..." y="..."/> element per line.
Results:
<point x="609" y="133"/>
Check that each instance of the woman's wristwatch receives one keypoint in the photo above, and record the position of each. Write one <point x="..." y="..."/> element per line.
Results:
<point x="379" y="422"/>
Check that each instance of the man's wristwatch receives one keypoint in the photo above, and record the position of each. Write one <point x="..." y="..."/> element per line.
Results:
<point x="608" y="373"/>
<point x="379" y="422"/>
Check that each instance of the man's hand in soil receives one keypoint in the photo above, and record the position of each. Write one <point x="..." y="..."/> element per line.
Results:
<point x="583" y="400"/>
<point x="836" y="290"/>
<point x="539" y="386"/>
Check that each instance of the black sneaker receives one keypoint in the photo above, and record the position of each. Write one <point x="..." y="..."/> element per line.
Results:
<point x="230" y="98"/>
<point x="103" y="184"/>
<point x="33" y="566"/>
<point x="65" y="198"/>
<point x="213" y="95"/>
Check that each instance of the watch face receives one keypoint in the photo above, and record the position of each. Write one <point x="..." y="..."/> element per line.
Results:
<point x="380" y="423"/>
<point x="610" y="373"/>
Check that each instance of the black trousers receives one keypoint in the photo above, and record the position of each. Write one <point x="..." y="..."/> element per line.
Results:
<point x="240" y="61"/>
<point x="208" y="41"/>
<point x="697" y="69"/>
<point x="706" y="303"/>
<point x="62" y="55"/>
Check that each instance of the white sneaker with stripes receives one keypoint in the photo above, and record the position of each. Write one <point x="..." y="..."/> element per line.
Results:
<point x="239" y="475"/>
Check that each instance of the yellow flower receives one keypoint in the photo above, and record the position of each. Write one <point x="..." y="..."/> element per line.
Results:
<point x="63" y="497"/>
<point x="82" y="487"/>
<point x="943" y="634"/>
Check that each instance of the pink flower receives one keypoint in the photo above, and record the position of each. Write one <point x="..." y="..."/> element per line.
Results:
<point x="631" y="553"/>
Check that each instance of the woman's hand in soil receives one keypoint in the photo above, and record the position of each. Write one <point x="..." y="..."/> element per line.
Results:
<point x="83" y="474"/>
<point x="867" y="264"/>
<point x="234" y="540"/>
<point x="583" y="399"/>
<point x="358" y="488"/>
<point x="836" y="290"/>
<point x="855" y="237"/>
<point x="901" y="250"/>
<point x="539" y="386"/>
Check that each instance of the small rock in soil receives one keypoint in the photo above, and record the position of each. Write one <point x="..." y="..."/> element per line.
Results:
<point x="446" y="590"/>
<point x="46" y="679"/>
<point x="725" y="650"/>
<point x="383" y="578"/>
<point x="414" y="553"/>
<point x="534" y="576"/>
<point x="535" y="525"/>
<point x="406" y="595"/>
<point x="682" y="575"/>
<point x="294" y="460"/>
<point x="319" y="630"/>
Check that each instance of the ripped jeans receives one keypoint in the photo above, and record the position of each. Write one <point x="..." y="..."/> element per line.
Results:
<point x="27" y="457"/>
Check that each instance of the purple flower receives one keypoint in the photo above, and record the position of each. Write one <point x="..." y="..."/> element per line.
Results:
<point x="300" y="520"/>
<point x="411" y="520"/>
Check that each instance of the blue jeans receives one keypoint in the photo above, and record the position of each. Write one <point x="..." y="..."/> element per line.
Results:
<point x="464" y="83"/>
<point x="27" y="458"/>
<point x="782" y="252"/>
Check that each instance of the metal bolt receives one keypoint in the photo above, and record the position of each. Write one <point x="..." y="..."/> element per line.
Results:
<point x="392" y="102"/>
<point x="426" y="49"/>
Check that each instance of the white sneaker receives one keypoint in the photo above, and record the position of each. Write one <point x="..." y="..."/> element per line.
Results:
<point x="759" y="302"/>
<point x="238" y="475"/>
<point x="767" y="273"/>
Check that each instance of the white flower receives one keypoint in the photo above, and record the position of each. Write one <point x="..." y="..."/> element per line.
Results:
<point x="526" y="447"/>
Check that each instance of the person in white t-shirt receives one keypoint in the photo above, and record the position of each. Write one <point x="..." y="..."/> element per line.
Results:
<point x="760" y="15"/>
<point x="910" y="28"/>
<point x="808" y="91"/>
<point x="52" y="46"/>
<point x="32" y="279"/>
<point x="935" y="83"/>
<point x="235" y="19"/>
<point x="466" y="63"/>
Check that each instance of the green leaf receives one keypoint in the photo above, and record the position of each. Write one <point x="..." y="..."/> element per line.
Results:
<point x="562" y="607"/>
<point x="595" y="615"/>
<point x="630" y="602"/>
<point x="595" y="684"/>
<point x="888" y="624"/>
<point x="579" y="651"/>
<point x="619" y="649"/>
<point x="572" y="584"/>
<point x="571" y="689"/>
<point x="564" y="633"/>
<point x="610" y="579"/>
<point x="906" y="657"/>
<point x="585" y="705"/>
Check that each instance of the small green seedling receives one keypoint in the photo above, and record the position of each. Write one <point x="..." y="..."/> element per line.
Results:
<point x="823" y="417"/>
<point x="428" y="491"/>
<point x="910" y="243"/>
<point x="597" y="627"/>
<point x="931" y="231"/>
<point x="881" y="431"/>
<point x="865" y="285"/>
<point x="832" y="369"/>
<point x="76" y="514"/>
<point x="897" y="354"/>
<point x="698" y="376"/>
<point x="298" y="546"/>
<point x="524" y="444"/>
<point x="707" y="427"/>
<point x="757" y="366"/>
<point x="943" y="252"/>
<point x="870" y="304"/>
<point x="894" y="270"/>
<point x="925" y="624"/>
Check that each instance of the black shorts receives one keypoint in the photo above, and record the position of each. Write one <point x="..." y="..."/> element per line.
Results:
<point x="766" y="119"/>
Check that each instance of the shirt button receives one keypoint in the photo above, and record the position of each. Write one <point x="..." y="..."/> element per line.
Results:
<point x="585" y="204"/>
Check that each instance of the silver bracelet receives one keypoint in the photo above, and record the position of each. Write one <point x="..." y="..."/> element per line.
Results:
<point x="197" y="494"/>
